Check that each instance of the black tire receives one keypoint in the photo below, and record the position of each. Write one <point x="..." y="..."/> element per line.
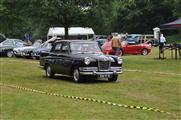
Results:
<point x="48" y="71"/>
<point x="113" y="78"/>
<point x="9" y="53"/>
<point x="76" y="76"/>
<point x="144" y="51"/>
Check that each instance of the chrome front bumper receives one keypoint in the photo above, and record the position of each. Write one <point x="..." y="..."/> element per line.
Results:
<point x="21" y="54"/>
<point x="94" y="71"/>
<point x="100" y="73"/>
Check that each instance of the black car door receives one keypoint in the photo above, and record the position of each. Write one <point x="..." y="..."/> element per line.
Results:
<point x="55" y="58"/>
<point x="61" y="61"/>
<point x="65" y="61"/>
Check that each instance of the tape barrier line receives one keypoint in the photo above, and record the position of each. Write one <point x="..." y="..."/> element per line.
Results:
<point x="90" y="99"/>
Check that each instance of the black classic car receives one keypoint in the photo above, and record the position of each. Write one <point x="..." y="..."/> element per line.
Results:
<point x="7" y="46"/>
<point x="79" y="59"/>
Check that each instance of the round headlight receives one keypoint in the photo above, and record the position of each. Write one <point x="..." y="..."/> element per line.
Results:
<point x="87" y="61"/>
<point x="120" y="61"/>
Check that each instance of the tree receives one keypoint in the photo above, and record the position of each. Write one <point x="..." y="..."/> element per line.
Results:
<point x="141" y="16"/>
<point x="64" y="12"/>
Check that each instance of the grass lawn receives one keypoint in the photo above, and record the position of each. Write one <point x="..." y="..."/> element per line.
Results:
<point x="144" y="82"/>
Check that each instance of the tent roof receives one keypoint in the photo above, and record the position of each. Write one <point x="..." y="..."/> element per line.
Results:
<point x="172" y="25"/>
<point x="72" y="31"/>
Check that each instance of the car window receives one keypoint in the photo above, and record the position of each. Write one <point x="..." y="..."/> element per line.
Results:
<point x="58" y="47"/>
<point x="85" y="48"/>
<point x="7" y="42"/>
<point x="65" y="48"/>
<point x="19" y="44"/>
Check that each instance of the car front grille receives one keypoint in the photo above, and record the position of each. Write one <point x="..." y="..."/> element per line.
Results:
<point x="104" y="65"/>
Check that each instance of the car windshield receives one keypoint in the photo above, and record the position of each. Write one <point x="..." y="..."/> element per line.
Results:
<point x="85" y="48"/>
<point x="20" y="44"/>
<point x="130" y="36"/>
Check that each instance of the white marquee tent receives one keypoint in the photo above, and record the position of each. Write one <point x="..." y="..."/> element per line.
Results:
<point x="73" y="31"/>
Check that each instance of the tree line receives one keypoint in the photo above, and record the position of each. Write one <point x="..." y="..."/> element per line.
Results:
<point x="18" y="17"/>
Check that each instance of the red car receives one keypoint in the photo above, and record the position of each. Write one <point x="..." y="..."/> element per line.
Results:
<point x="143" y="48"/>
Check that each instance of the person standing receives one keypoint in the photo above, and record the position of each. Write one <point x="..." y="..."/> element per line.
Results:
<point x="116" y="45"/>
<point x="162" y="42"/>
<point x="107" y="46"/>
<point x="125" y="38"/>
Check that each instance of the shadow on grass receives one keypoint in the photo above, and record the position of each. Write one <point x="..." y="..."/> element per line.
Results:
<point x="84" y="81"/>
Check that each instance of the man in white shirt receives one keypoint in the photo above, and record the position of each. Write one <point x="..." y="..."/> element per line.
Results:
<point x="162" y="39"/>
<point x="161" y="44"/>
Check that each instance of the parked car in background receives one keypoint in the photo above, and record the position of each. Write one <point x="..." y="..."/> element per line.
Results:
<point x="26" y="51"/>
<point x="45" y="47"/>
<point x="149" y="39"/>
<point x="7" y="46"/>
<point x="2" y="37"/>
<point x="133" y="38"/>
<point x="143" y="49"/>
<point x="79" y="59"/>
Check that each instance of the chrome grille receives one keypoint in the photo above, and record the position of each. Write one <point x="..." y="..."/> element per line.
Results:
<point x="104" y="65"/>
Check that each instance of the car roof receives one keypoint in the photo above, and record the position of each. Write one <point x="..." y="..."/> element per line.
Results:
<point x="76" y="41"/>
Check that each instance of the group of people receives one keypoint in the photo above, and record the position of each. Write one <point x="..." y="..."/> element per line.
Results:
<point x="114" y="43"/>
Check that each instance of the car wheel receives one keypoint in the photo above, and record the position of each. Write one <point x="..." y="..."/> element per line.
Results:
<point x="9" y="53"/>
<point x="144" y="51"/>
<point x="76" y="76"/>
<point x="49" y="72"/>
<point x="113" y="78"/>
<point x="32" y="56"/>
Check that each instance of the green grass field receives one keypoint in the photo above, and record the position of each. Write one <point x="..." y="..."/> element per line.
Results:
<point x="145" y="82"/>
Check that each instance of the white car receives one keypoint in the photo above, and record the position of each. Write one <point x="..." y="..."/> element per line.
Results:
<point x="26" y="51"/>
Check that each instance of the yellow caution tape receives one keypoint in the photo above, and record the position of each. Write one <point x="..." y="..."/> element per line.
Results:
<point x="90" y="99"/>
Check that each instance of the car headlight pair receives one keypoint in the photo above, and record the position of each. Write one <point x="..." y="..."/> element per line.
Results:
<point x="87" y="61"/>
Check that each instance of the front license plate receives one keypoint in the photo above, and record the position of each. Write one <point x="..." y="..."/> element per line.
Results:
<point x="105" y="76"/>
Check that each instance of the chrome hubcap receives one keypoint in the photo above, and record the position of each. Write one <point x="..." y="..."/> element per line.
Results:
<point x="144" y="52"/>
<point x="76" y="75"/>
<point x="9" y="54"/>
<point x="48" y="71"/>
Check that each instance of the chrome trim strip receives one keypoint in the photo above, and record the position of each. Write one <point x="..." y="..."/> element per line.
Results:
<point x="99" y="73"/>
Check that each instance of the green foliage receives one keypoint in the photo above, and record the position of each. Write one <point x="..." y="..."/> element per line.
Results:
<point x="18" y="17"/>
<point x="142" y="16"/>
<point x="176" y="38"/>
